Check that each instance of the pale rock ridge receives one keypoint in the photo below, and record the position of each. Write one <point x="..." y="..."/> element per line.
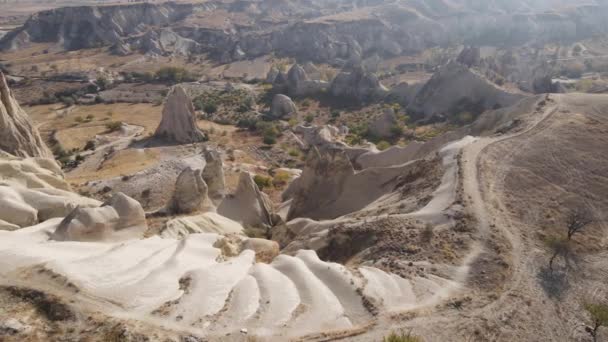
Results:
<point x="178" y="124"/>
<point x="18" y="135"/>
<point x="33" y="190"/>
<point x="208" y="222"/>
<point x="120" y="218"/>
<point x="248" y="205"/>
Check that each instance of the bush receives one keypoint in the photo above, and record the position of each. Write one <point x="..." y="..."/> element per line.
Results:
<point x="383" y="145"/>
<point x="210" y="108"/>
<point x="113" y="126"/>
<point x="402" y="337"/>
<point x="335" y="114"/>
<point x="309" y="118"/>
<point x="90" y="145"/>
<point x="293" y="152"/>
<point x="79" y="119"/>
<point x="262" y="181"/>
<point x="281" y="179"/>
<point x="173" y="75"/>
<point x="269" y="140"/>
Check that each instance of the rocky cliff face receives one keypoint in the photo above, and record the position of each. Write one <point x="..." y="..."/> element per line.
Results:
<point x="18" y="136"/>
<point x="334" y="32"/>
<point x="92" y="26"/>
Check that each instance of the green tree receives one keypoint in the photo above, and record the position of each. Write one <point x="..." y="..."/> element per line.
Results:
<point x="599" y="317"/>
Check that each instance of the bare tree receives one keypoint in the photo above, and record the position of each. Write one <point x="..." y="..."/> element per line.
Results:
<point x="559" y="246"/>
<point x="577" y="220"/>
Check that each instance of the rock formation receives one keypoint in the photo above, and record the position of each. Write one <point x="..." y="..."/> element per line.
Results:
<point x="33" y="190"/>
<point x="382" y="125"/>
<point x="330" y="187"/>
<point x="470" y="56"/>
<point x="358" y="85"/>
<point x="120" y="218"/>
<point x="213" y="175"/>
<point x="248" y="205"/>
<point x="455" y="88"/>
<point x="209" y="222"/>
<point x="18" y="135"/>
<point x="282" y="107"/>
<point x="178" y="124"/>
<point x="320" y="136"/>
<point x="190" y="194"/>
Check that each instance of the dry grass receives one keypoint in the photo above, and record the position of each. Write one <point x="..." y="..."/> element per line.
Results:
<point x="124" y="162"/>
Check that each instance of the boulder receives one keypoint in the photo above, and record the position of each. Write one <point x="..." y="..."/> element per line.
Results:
<point x="120" y="218"/>
<point x="213" y="175"/>
<point x="319" y="136"/>
<point x="18" y="135"/>
<point x="248" y="205"/>
<point x="282" y="107"/>
<point x="190" y="194"/>
<point x="178" y="124"/>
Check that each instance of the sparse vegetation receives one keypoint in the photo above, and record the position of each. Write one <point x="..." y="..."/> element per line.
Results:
<point x="599" y="317"/>
<point x="113" y="126"/>
<point x="262" y="182"/>
<point x="402" y="337"/>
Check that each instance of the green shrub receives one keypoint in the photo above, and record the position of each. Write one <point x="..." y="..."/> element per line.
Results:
<point x="293" y="152"/>
<point x="79" y="119"/>
<point x="113" y="126"/>
<point x="309" y="118"/>
<point x="383" y="145"/>
<point x="262" y="181"/>
<point x="210" y="108"/>
<point x="173" y="75"/>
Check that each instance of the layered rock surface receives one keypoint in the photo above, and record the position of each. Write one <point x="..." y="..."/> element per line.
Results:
<point x="18" y="135"/>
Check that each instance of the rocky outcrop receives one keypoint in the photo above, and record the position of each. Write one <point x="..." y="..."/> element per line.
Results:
<point x="470" y="56"/>
<point x="190" y="194"/>
<point x="213" y="175"/>
<point x="282" y="107"/>
<point x="248" y="205"/>
<point x="120" y="218"/>
<point x="382" y="126"/>
<point x="319" y="136"/>
<point x="18" y="135"/>
<point x="178" y="124"/>
<point x="33" y="190"/>
<point x="209" y="222"/>
<point x="358" y="85"/>
<point x="330" y="187"/>
<point x="297" y="83"/>
<point x="454" y="89"/>
<point x="81" y="27"/>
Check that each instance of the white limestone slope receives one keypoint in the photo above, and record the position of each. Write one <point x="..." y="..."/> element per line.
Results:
<point x="188" y="284"/>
